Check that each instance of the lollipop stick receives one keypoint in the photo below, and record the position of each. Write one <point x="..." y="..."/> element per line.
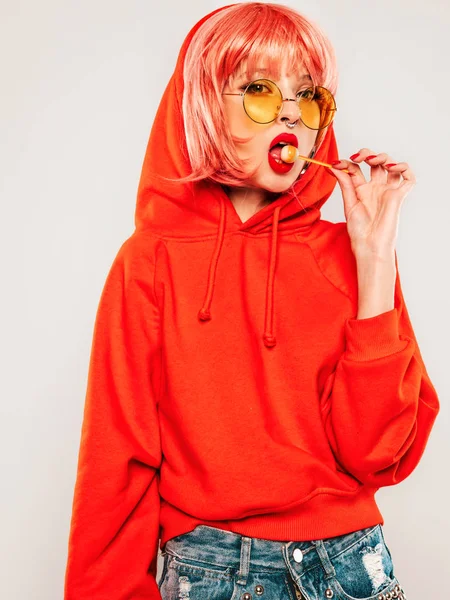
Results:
<point x="318" y="162"/>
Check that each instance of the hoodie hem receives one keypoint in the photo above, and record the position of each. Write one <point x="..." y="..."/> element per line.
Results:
<point x="325" y="515"/>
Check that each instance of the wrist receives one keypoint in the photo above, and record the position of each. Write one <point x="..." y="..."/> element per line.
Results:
<point x="376" y="285"/>
<point x="368" y="256"/>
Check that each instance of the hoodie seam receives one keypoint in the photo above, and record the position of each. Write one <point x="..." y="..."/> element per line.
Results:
<point x="154" y="255"/>
<point x="330" y="281"/>
<point x="192" y="240"/>
<point x="161" y="348"/>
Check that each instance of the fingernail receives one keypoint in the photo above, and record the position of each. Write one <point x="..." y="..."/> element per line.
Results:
<point x="353" y="156"/>
<point x="371" y="156"/>
<point x="390" y="165"/>
<point x="336" y="162"/>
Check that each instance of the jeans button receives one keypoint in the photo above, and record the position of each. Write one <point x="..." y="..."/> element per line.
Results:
<point x="298" y="555"/>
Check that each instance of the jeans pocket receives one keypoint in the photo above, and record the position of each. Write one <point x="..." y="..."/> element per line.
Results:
<point x="196" y="580"/>
<point x="164" y="570"/>
<point x="365" y="571"/>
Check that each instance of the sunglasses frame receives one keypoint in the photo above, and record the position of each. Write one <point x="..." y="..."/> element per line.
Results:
<point x="282" y="100"/>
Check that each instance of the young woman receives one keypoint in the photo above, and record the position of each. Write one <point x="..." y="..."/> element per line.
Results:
<point x="254" y="376"/>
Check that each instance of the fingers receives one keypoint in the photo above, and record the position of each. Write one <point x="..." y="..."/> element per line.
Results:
<point x="354" y="177"/>
<point x="354" y="172"/>
<point x="377" y="163"/>
<point x="399" y="170"/>
<point x="380" y="165"/>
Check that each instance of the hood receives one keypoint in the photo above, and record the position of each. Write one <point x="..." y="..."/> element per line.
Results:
<point x="203" y="208"/>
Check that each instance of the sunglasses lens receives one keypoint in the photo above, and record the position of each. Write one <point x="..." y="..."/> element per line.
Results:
<point x="262" y="101"/>
<point x="318" y="107"/>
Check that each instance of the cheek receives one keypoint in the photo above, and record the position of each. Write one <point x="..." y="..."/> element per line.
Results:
<point x="241" y="126"/>
<point x="306" y="138"/>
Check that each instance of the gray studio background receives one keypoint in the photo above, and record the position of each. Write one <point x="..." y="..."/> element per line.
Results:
<point x="80" y="85"/>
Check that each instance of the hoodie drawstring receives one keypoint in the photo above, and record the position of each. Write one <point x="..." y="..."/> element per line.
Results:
<point x="204" y="313"/>
<point x="268" y="337"/>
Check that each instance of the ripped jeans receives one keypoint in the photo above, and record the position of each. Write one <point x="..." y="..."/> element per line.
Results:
<point x="209" y="563"/>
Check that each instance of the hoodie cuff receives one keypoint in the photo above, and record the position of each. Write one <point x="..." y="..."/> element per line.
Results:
<point x="374" y="337"/>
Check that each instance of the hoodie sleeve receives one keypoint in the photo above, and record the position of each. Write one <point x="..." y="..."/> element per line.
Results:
<point x="379" y="405"/>
<point x="114" y="530"/>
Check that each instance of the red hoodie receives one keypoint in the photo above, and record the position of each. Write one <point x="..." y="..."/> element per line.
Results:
<point x="230" y="383"/>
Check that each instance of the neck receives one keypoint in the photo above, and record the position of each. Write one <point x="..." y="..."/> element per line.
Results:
<point x="248" y="201"/>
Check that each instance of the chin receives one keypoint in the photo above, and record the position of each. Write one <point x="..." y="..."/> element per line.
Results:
<point x="279" y="183"/>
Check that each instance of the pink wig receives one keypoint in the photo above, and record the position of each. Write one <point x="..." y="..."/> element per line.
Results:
<point x="248" y="35"/>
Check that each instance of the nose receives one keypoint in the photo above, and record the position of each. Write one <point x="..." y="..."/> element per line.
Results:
<point x="290" y="110"/>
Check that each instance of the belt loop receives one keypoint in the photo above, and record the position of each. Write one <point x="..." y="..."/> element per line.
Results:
<point x="324" y="559"/>
<point x="245" y="560"/>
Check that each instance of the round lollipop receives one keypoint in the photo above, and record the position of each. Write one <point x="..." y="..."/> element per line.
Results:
<point x="290" y="153"/>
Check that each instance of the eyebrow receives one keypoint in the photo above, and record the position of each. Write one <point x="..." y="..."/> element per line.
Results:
<point x="305" y="77"/>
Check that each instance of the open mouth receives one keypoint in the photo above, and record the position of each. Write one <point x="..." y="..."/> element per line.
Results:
<point x="277" y="144"/>
<point x="275" y="151"/>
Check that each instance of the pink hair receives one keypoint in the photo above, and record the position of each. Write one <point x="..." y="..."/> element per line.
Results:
<point x="249" y="34"/>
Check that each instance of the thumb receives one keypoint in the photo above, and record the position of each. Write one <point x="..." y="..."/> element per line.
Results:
<point x="348" y="190"/>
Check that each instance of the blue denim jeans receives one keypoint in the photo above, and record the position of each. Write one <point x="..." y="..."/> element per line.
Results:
<point x="213" y="564"/>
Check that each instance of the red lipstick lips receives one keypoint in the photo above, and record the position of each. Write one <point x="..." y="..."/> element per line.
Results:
<point x="274" y="155"/>
<point x="289" y="138"/>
